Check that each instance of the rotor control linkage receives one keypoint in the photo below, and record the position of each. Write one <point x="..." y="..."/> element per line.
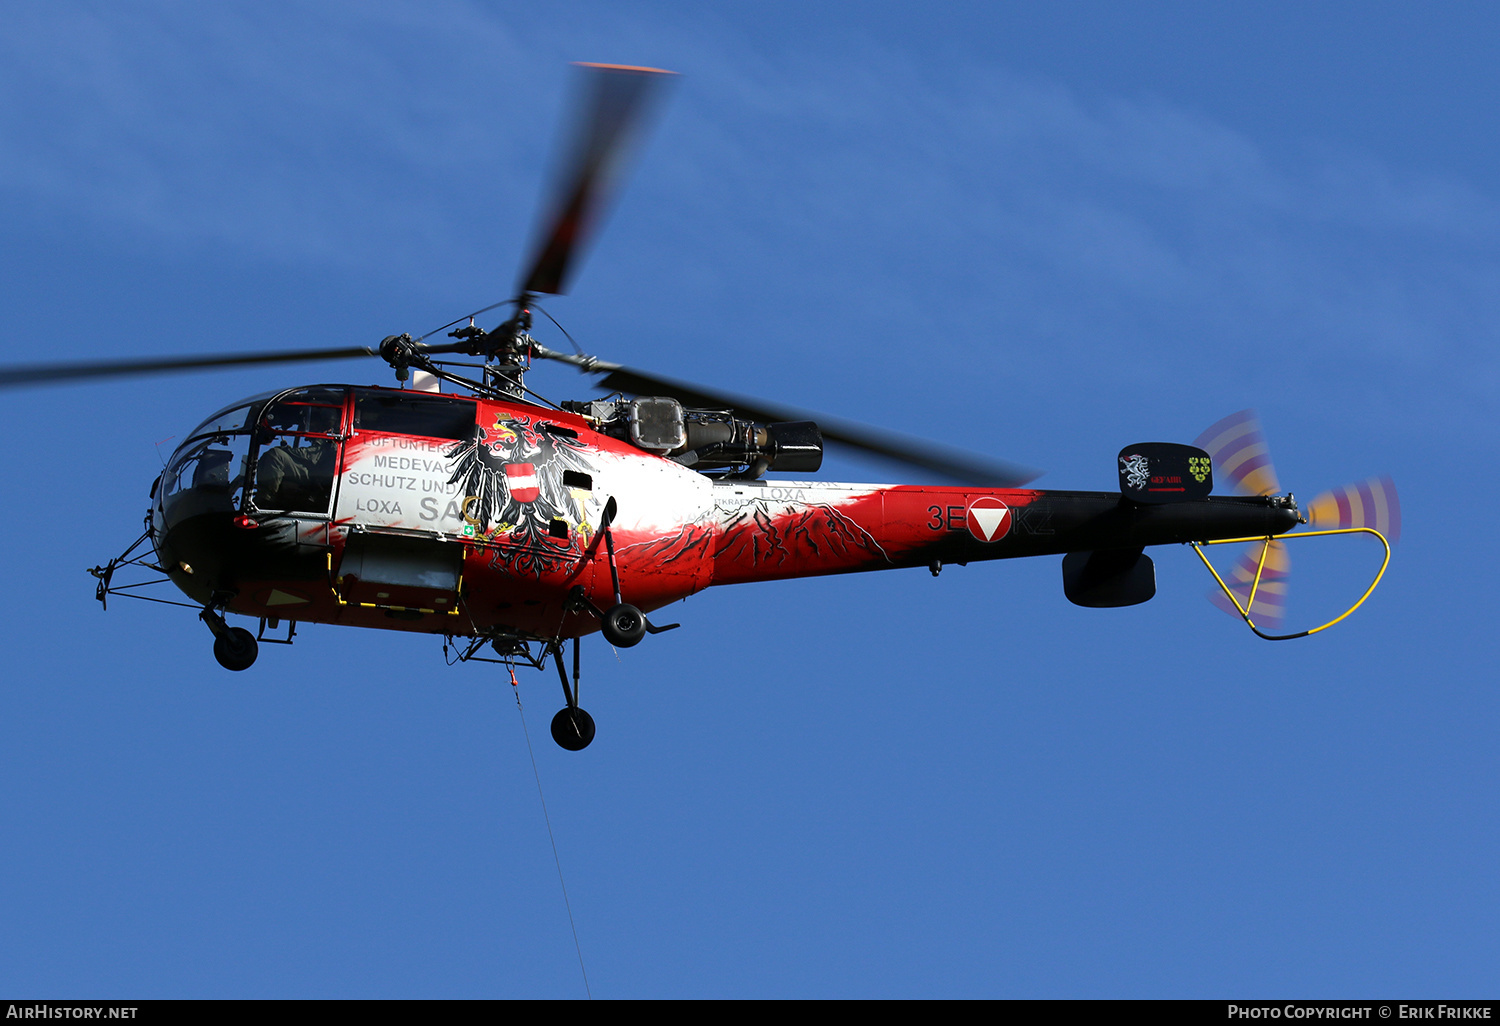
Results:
<point x="234" y="647"/>
<point x="400" y="351"/>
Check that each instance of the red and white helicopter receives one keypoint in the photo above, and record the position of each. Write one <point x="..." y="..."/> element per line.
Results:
<point x="511" y="525"/>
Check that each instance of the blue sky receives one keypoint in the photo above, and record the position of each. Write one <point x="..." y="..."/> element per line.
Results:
<point x="1036" y="231"/>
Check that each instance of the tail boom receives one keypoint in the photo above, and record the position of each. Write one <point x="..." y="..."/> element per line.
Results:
<point x="777" y="530"/>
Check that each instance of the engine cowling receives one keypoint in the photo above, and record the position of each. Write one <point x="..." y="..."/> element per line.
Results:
<point x="710" y="439"/>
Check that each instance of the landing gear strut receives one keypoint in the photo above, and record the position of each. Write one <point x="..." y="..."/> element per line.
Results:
<point x="234" y="647"/>
<point x="623" y="626"/>
<point x="572" y="728"/>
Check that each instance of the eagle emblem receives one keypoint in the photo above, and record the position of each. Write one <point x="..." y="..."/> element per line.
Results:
<point x="510" y="473"/>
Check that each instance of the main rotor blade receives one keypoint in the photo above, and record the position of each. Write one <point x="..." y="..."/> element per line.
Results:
<point x="958" y="466"/>
<point x="617" y="101"/>
<point x="52" y="373"/>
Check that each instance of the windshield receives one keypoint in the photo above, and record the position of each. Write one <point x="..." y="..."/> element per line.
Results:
<point x="205" y="476"/>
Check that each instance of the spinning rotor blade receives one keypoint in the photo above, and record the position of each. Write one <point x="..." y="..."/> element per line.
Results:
<point x="1240" y="456"/>
<point x="1269" y="608"/>
<point x="1237" y="446"/>
<point x="618" y="100"/>
<point x="51" y="373"/>
<point x="958" y="466"/>
<point x="1369" y="503"/>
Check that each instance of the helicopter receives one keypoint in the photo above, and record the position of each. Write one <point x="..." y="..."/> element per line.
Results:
<point x="513" y="527"/>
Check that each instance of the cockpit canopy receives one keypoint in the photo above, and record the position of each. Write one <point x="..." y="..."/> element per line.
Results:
<point x="285" y="446"/>
<point x="284" y="443"/>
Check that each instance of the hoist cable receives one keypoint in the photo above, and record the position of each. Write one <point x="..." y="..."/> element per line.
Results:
<point x="548" y="819"/>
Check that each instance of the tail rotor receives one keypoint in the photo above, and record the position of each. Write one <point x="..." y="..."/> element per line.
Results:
<point x="1369" y="503"/>
<point x="1241" y="459"/>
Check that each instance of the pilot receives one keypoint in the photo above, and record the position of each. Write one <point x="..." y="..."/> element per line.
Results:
<point x="298" y="478"/>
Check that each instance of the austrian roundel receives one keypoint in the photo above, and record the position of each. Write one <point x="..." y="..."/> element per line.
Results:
<point x="989" y="519"/>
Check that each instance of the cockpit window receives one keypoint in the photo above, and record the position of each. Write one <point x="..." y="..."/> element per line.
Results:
<point x="298" y="457"/>
<point x="296" y="474"/>
<point x="307" y="411"/>
<point x="414" y="413"/>
<point x="230" y="418"/>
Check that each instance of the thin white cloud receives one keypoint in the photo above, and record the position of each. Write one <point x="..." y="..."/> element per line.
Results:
<point x="987" y="204"/>
<point x="271" y="126"/>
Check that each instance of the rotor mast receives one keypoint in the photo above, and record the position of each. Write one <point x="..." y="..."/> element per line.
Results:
<point x="506" y="349"/>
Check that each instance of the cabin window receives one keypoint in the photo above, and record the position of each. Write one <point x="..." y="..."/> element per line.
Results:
<point x="414" y="413"/>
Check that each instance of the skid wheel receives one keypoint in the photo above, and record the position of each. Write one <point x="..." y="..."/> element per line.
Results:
<point x="236" y="649"/>
<point x="573" y="729"/>
<point x="624" y="625"/>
